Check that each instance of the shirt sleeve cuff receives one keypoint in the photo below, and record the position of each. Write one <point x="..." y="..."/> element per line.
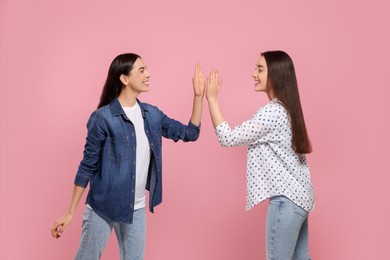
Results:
<point x="221" y="128"/>
<point x="190" y="124"/>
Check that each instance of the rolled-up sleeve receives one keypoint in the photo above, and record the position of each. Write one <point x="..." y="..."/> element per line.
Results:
<point x="176" y="131"/>
<point x="91" y="161"/>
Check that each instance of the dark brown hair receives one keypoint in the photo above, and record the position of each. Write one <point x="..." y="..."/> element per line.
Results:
<point x="283" y="82"/>
<point x="122" y="64"/>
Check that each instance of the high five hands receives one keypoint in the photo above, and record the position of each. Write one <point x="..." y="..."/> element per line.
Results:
<point x="211" y="85"/>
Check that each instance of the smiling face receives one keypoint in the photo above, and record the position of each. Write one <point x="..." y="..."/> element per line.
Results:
<point x="260" y="75"/>
<point x="138" y="78"/>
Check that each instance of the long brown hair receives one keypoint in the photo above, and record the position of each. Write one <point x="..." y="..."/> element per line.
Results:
<point x="122" y="64"/>
<point x="283" y="82"/>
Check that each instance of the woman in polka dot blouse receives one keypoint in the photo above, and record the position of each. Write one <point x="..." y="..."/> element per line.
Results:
<point x="277" y="142"/>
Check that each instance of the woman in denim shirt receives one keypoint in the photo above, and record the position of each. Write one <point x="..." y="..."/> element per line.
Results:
<point x="277" y="142"/>
<point x="122" y="158"/>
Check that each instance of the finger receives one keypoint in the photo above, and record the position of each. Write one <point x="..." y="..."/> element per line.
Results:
<point x="199" y="69"/>
<point x="61" y="229"/>
<point x="201" y="74"/>
<point x="53" y="233"/>
<point x="215" y="75"/>
<point x="195" y="72"/>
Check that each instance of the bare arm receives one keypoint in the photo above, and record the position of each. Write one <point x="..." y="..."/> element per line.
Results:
<point x="213" y="85"/>
<point x="61" y="223"/>
<point x="198" y="86"/>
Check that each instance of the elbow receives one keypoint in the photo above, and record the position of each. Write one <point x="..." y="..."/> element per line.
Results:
<point x="190" y="139"/>
<point x="192" y="135"/>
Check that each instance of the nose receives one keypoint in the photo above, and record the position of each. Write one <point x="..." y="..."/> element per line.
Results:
<point x="254" y="75"/>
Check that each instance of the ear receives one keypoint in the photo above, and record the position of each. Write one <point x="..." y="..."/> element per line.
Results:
<point x="123" y="79"/>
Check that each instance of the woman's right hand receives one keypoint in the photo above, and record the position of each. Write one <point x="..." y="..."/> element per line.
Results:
<point x="213" y="85"/>
<point x="60" y="225"/>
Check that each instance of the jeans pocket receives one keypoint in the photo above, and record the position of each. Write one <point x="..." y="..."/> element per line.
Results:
<point x="87" y="215"/>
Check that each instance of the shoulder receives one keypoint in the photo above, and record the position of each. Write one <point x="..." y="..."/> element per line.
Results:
<point x="148" y="106"/>
<point x="102" y="112"/>
<point x="99" y="116"/>
<point x="273" y="108"/>
<point x="271" y="112"/>
<point x="150" y="109"/>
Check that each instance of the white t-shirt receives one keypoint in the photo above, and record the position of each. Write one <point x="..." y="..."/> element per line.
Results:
<point x="142" y="154"/>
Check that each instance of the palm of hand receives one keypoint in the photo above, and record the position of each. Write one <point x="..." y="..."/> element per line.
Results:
<point x="198" y="81"/>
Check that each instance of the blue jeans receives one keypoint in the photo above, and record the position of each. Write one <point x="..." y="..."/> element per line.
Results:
<point x="96" y="231"/>
<point x="286" y="230"/>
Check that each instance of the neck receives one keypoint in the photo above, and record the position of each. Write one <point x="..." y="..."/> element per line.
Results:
<point x="127" y="98"/>
<point x="271" y="95"/>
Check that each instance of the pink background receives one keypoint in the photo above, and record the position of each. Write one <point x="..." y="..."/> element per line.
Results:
<point x="54" y="56"/>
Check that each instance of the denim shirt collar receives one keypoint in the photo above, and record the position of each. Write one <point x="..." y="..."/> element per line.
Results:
<point x="116" y="108"/>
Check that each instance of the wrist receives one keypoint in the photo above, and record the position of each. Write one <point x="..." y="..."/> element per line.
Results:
<point x="212" y="99"/>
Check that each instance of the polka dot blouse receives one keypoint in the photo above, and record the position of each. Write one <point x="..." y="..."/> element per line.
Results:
<point x="273" y="168"/>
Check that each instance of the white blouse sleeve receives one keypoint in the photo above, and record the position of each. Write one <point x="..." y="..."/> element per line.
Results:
<point x="264" y="122"/>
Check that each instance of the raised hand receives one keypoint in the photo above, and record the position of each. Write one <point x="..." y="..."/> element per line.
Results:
<point x="213" y="85"/>
<point x="198" y="81"/>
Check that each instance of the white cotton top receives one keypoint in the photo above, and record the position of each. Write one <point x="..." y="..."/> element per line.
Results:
<point x="142" y="154"/>
<point x="273" y="167"/>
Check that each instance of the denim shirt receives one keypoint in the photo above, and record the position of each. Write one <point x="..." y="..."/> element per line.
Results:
<point x="108" y="164"/>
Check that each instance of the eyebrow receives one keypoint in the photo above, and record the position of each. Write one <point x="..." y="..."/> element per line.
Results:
<point x="141" y="68"/>
<point x="260" y="66"/>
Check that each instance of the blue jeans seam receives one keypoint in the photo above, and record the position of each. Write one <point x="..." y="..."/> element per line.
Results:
<point x="84" y="241"/>
<point x="281" y="204"/>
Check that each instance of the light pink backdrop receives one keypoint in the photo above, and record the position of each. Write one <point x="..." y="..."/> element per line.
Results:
<point x="54" y="57"/>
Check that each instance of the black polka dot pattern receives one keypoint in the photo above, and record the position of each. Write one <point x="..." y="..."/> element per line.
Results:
<point x="273" y="168"/>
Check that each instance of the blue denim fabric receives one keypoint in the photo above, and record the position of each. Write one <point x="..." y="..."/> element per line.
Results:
<point x="96" y="232"/>
<point x="109" y="158"/>
<point x="286" y="230"/>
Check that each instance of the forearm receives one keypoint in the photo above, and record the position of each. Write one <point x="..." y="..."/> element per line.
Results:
<point x="215" y="112"/>
<point x="197" y="108"/>
<point x="76" y="196"/>
<point x="60" y="224"/>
